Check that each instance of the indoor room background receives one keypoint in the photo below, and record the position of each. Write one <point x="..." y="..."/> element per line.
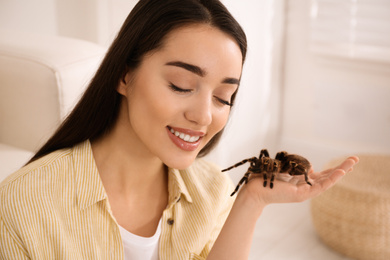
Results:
<point x="316" y="82"/>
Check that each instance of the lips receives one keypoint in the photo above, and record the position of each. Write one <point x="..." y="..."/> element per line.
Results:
<point x="185" y="139"/>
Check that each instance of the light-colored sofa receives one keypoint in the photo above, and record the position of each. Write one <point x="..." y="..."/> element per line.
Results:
<point x="41" y="79"/>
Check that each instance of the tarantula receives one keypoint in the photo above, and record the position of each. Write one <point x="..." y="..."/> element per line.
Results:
<point x="283" y="163"/>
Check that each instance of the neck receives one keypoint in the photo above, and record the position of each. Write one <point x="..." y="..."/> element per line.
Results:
<point x="126" y="169"/>
<point x="136" y="181"/>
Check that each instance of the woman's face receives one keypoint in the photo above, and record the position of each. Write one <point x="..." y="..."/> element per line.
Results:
<point x="179" y="96"/>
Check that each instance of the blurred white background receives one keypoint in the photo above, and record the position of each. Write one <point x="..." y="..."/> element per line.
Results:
<point x="316" y="80"/>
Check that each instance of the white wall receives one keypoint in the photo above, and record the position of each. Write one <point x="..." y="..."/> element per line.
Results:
<point x="92" y="20"/>
<point x="254" y="124"/>
<point x="332" y="105"/>
<point x="29" y="15"/>
<point x="96" y="21"/>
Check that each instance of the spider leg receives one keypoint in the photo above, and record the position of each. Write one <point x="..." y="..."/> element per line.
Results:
<point x="290" y="167"/>
<point x="271" y="183"/>
<point x="240" y="163"/>
<point x="243" y="179"/>
<point x="295" y="165"/>
<point x="281" y="156"/>
<point x="264" y="153"/>
<point x="307" y="179"/>
<point x="275" y="170"/>
<point x="265" y="179"/>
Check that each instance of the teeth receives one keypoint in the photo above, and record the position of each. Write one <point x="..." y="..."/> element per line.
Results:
<point x="187" y="138"/>
<point x="193" y="139"/>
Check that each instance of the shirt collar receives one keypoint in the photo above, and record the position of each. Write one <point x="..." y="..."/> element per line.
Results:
<point x="177" y="186"/>
<point x="89" y="187"/>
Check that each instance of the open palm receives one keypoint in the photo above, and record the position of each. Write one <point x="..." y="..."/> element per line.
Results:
<point x="295" y="189"/>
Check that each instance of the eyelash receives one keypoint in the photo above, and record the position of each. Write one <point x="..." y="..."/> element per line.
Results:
<point x="182" y="90"/>
<point x="227" y="103"/>
<point x="177" y="89"/>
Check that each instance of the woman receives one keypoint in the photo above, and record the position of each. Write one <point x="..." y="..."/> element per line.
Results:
<point x="121" y="178"/>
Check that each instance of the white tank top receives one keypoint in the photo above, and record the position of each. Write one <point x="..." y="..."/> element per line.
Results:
<point x="140" y="248"/>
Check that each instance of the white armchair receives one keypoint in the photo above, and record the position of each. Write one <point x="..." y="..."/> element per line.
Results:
<point x="41" y="79"/>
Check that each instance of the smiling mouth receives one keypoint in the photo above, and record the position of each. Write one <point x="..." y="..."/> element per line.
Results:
<point x="185" y="137"/>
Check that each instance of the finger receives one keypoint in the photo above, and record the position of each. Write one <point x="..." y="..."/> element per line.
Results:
<point x="348" y="163"/>
<point x="333" y="175"/>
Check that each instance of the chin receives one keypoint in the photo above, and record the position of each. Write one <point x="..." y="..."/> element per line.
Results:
<point x="180" y="163"/>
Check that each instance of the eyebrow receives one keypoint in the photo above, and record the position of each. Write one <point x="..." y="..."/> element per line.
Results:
<point x="192" y="68"/>
<point x="199" y="71"/>
<point x="231" y="81"/>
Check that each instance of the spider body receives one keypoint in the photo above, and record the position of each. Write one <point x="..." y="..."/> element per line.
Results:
<point x="283" y="163"/>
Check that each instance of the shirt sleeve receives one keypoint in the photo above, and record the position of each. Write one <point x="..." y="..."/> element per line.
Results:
<point x="9" y="247"/>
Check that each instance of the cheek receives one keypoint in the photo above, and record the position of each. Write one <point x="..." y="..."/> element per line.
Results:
<point x="163" y="104"/>
<point x="152" y="105"/>
<point x="219" y="120"/>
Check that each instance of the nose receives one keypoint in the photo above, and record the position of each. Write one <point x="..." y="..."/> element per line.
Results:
<point x="200" y="111"/>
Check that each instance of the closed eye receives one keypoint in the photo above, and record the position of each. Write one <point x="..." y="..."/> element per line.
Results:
<point x="224" y="102"/>
<point x="184" y="91"/>
<point x="177" y="89"/>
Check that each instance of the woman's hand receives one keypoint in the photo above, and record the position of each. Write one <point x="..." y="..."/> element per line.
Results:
<point x="235" y="238"/>
<point x="289" y="188"/>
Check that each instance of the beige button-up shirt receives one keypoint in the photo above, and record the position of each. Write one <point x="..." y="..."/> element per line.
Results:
<point x="57" y="208"/>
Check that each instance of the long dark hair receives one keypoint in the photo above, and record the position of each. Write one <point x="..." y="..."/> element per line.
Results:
<point x="143" y="31"/>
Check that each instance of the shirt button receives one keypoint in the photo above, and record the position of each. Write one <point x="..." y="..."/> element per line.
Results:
<point x="170" y="221"/>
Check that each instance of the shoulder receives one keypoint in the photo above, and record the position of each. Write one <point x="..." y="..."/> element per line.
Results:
<point x="29" y="170"/>
<point x="33" y="180"/>
<point x="208" y="171"/>
<point x="204" y="177"/>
